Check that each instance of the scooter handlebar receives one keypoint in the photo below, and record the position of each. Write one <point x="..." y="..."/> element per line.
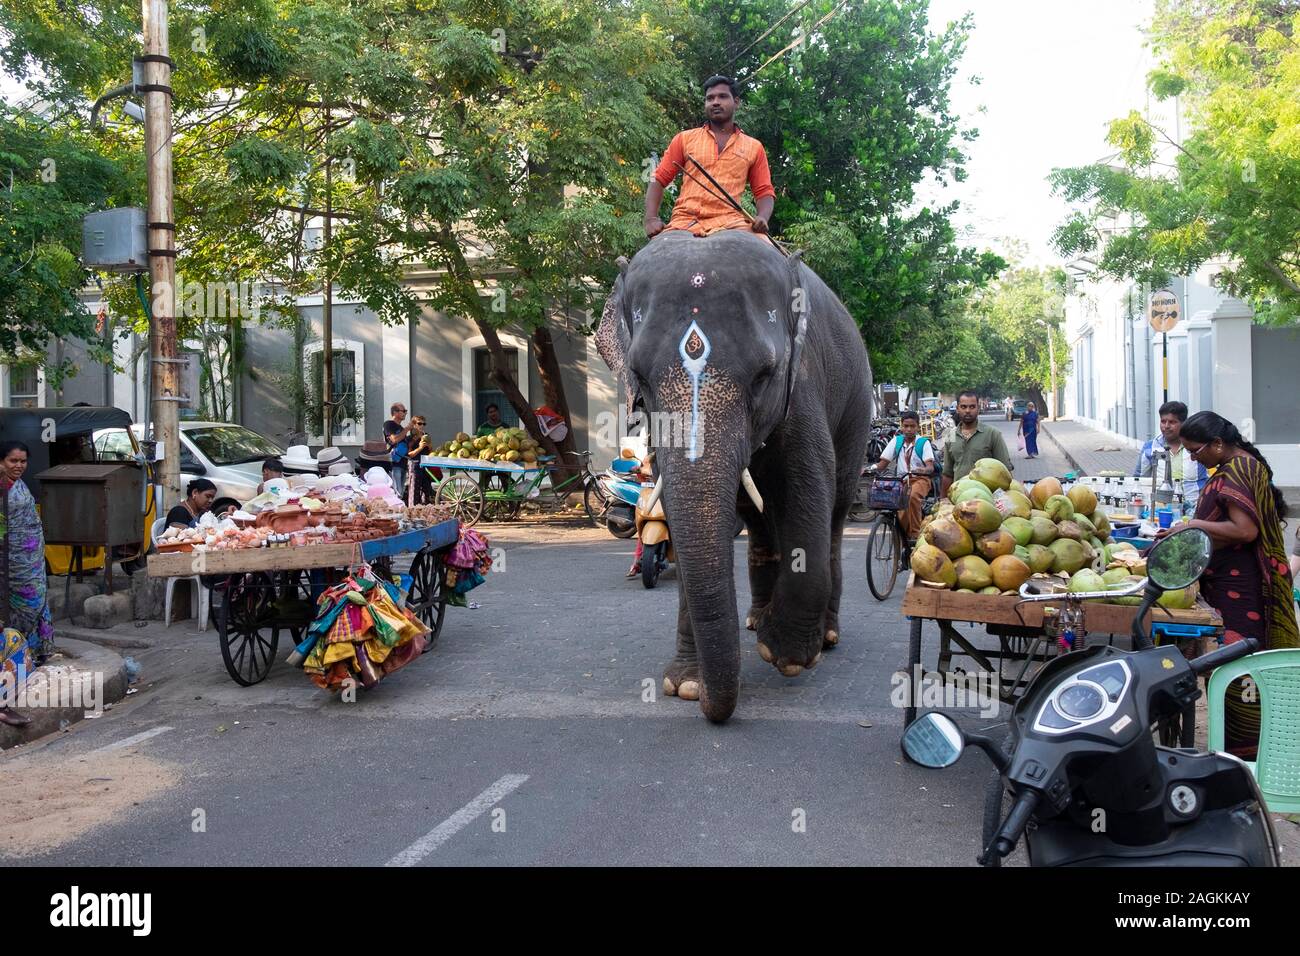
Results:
<point x="1013" y="827"/>
<point x="1217" y="658"/>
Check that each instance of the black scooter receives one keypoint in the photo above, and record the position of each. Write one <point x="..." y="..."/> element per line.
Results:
<point x="1088" y="786"/>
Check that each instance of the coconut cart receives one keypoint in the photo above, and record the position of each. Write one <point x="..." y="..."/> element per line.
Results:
<point x="260" y="593"/>
<point x="496" y="490"/>
<point x="1019" y="637"/>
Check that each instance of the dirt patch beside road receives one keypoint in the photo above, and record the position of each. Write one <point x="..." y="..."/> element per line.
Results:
<point x="49" y="801"/>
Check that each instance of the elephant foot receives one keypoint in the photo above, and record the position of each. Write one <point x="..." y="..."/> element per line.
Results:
<point x="682" y="679"/>
<point x="788" y="652"/>
<point x="832" y="635"/>
<point x="757" y="614"/>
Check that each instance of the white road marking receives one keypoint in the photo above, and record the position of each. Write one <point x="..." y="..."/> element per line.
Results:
<point x="466" y="815"/>
<point x="128" y="741"/>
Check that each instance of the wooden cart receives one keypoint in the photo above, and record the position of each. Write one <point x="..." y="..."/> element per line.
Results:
<point x="259" y="592"/>
<point x="1026" y="634"/>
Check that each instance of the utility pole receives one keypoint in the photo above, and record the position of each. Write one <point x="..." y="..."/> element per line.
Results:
<point x="327" y="305"/>
<point x="1051" y="359"/>
<point x="164" y="395"/>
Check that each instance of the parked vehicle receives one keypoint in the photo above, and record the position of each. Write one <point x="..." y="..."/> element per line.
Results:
<point x="230" y="456"/>
<point x="652" y="526"/>
<point x="1017" y="410"/>
<point x="60" y="436"/>
<point x="623" y="491"/>
<point x="1085" y="782"/>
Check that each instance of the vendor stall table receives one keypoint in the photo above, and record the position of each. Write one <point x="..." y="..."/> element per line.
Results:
<point x="266" y="590"/>
<point x="1026" y="634"/>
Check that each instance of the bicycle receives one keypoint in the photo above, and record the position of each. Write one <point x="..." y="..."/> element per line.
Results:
<point x="501" y="493"/>
<point x="889" y="551"/>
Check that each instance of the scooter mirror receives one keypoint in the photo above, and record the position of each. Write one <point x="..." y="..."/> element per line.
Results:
<point x="933" y="740"/>
<point x="1177" y="561"/>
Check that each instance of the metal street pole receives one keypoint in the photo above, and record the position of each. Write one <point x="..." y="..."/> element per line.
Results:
<point x="1051" y="359"/>
<point x="165" y="395"/>
<point x="327" y="308"/>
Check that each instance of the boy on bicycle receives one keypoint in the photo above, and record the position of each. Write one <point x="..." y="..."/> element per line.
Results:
<point x="915" y="458"/>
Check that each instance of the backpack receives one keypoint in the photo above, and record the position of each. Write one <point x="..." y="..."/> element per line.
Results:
<point x="920" y="450"/>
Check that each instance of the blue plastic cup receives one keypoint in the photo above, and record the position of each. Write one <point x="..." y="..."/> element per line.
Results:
<point x="1165" y="516"/>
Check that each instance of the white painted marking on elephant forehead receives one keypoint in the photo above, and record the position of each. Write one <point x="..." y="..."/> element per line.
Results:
<point x="462" y="818"/>
<point x="694" y="366"/>
<point x="771" y="315"/>
<point x="636" y="315"/>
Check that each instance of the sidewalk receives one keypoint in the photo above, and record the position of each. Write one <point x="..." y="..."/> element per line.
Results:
<point x="81" y="680"/>
<point x="1089" y="451"/>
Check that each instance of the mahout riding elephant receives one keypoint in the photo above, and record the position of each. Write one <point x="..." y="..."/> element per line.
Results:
<point x="758" y="388"/>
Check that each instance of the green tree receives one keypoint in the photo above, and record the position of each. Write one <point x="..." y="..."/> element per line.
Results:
<point x="855" y="118"/>
<point x="50" y="177"/>
<point x="1229" y="189"/>
<point x="1016" y="314"/>
<point x="497" y="145"/>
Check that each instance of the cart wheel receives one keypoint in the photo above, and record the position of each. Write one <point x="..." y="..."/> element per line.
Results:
<point x="501" y="510"/>
<point x="595" y="502"/>
<point x="425" y="597"/>
<point x="247" y="628"/>
<point x="913" y="661"/>
<point x="464" y="496"/>
<point x="882" y="558"/>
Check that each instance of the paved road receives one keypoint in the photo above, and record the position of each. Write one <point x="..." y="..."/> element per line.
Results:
<point x="532" y="704"/>
<point x="1049" y="460"/>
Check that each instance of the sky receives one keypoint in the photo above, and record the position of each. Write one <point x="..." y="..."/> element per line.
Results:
<point x="1053" y="74"/>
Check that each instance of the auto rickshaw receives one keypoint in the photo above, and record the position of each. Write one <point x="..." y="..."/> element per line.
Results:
<point x="81" y="434"/>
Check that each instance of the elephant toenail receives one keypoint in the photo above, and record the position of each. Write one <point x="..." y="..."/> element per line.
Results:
<point x="765" y="652"/>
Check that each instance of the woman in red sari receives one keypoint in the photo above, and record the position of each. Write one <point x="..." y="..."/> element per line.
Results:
<point x="1248" y="580"/>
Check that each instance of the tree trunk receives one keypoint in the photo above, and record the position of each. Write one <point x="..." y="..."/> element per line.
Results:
<point x="548" y="370"/>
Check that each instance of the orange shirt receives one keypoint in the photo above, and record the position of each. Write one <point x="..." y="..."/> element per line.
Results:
<point x="741" y="161"/>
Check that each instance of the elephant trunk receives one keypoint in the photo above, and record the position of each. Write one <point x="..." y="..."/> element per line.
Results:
<point x="700" y="498"/>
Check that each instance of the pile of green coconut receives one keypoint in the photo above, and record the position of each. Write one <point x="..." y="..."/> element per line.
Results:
<point x="994" y="534"/>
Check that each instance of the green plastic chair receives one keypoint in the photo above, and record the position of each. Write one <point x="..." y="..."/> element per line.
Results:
<point x="1277" y="762"/>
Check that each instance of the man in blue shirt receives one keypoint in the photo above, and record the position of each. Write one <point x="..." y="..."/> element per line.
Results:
<point x="1187" y="476"/>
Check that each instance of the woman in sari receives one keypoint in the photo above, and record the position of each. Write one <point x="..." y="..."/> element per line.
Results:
<point x="1248" y="580"/>
<point x="28" y="630"/>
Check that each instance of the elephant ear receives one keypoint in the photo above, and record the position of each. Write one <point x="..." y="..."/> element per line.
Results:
<point x="613" y="337"/>
<point x="797" y="323"/>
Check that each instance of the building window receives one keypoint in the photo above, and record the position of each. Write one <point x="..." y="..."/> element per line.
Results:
<point x="485" y="387"/>
<point x="24" y="389"/>
<point x="478" y="389"/>
<point x="348" y="392"/>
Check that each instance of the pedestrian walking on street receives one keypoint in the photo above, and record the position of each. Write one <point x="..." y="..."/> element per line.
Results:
<point x="1029" y="429"/>
<point x="1248" y="580"/>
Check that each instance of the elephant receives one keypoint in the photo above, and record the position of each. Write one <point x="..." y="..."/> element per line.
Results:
<point x="766" y="373"/>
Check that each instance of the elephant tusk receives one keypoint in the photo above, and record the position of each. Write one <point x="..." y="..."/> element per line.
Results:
<point x="752" y="490"/>
<point x="655" y="495"/>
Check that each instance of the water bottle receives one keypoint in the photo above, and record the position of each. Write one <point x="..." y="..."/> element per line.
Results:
<point x="1139" y="506"/>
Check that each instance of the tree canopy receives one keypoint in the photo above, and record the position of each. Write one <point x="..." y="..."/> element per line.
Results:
<point x="1229" y="188"/>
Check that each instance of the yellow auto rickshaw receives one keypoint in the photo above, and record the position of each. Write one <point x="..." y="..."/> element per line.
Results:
<point x="80" y="435"/>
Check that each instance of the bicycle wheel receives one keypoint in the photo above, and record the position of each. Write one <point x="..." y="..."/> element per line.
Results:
<point x="465" y="497"/>
<point x="882" y="557"/>
<point x="595" y="502"/>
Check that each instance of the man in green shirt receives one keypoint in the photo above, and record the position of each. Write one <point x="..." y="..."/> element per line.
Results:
<point x="971" y="441"/>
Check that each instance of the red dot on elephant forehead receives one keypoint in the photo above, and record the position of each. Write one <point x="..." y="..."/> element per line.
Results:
<point x="695" y="309"/>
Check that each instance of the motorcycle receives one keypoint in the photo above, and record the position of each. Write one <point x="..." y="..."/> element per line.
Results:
<point x="1086" y="782"/>
<point x="652" y="526"/>
<point x="624" y="491"/>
